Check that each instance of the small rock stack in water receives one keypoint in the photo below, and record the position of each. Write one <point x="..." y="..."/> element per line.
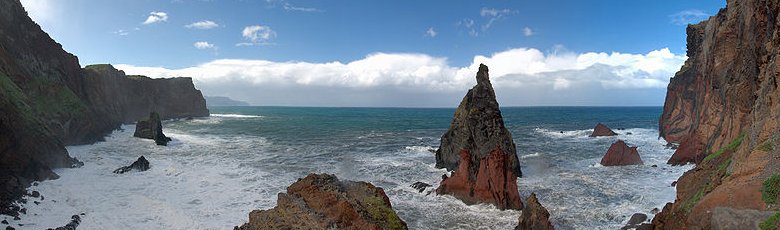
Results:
<point x="151" y="128"/>
<point x="480" y="150"/>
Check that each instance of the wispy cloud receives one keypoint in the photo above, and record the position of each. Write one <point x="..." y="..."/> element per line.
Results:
<point x="156" y="17"/>
<point x="121" y="32"/>
<point x="468" y="24"/>
<point x="686" y="17"/>
<point x="204" y="45"/>
<point x="527" y="31"/>
<point x="430" y="32"/>
<point x="202" y="25"/>
<point x="492" y="15"/>
<point x="289" y="7"/>
<point x="257" y="35"/>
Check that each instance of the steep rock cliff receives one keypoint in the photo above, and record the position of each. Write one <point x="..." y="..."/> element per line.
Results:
<point x="480" y="150"/>
<point x="722" y="108"/>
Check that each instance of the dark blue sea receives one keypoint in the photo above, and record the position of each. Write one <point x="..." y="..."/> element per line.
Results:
<point x="219" y="168"/>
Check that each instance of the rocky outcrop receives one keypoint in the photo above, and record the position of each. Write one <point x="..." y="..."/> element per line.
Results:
<point x="48" y="101"/>
<point x="322" y="201"/>
<point x="480" y="150"/>
<point x="151" y="128"/>
<point x="602" y="130"/>
<point x="723" y="108"/>
<point x="620" y="154"/>
<point x="534" y="216"/>
<point x="139" y="165"/>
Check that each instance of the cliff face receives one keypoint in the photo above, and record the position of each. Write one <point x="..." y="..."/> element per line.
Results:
<point x="722" y="108"/>
<point x="47" y="101"/>
<point x="480" y="150"/>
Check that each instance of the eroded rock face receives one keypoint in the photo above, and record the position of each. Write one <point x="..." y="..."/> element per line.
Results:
<point x="480" y="150"/>
<point x="722" y="108"/>
<point x="620" y="154"/>
<point x="151" y="128"/>
<point x="322" y="201"/>
<point x="534" y="216"/>
<point x="602" y="130"/>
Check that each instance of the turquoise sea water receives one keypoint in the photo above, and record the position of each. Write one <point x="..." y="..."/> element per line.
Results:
<point x="219" y="168"/>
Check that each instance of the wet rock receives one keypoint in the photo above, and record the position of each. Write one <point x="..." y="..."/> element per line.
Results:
<point x="151" y="128"/>
<point x="17" y="218"/>
<point x="602" y="130"/>
<point x="654" y="166"/>
<point x="36" y="202"/>
<point x="139" y="165"/>
<point x="655" y="211"/>
<point x="674" y="183"/>
<point x="9" y="228"/>
<point x="635" y="220"/>
<point x="23" y="211"/>
<point x="420" y="186"/>
<point x="480" y="150"/>
<point x="629" y="133"/>
<point x="4" y="222"/>
<point x="322" y="201"/>
<point x="35" y="194"/>
<point x="620" y="154"/>
<point x="534" y="216"/>
<point x="75" y="220"/>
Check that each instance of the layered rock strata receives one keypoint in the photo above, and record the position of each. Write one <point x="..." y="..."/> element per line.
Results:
<point x="322" y="201"/>
<point x="723" y="108"/>
<point x="480" y="150"/>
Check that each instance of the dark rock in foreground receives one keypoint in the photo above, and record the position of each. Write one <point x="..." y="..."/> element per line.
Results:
<point x="151" y="128"/>
<point x="534" y="216"/>
<point x="480" y="150"/>
<point x="635" y="221"/>
<point x="139" y="165"/>
<point x="420" y="186"/>
<point x="620" y="154"/>
<point x="602" y="130"/>
<point x="75" y="220"/>
<point x="321" y="201"/>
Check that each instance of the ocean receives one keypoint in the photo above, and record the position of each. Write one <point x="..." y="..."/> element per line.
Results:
<point x="217" y="169"/>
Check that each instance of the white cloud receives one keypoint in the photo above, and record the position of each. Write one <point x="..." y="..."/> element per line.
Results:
<point x="121" y="32"/>
<point x="203" y="25"/>
<point x="468" y="24"/>
<point x="204" y="45"/>
<point x="257" y="35"/>
<point x="430" y="32"/>
<point x="686" y="17"/>
<point x="527" y="31"/>
<point x="289" y="7"/>
<point x="155" y="17"/>
<point x="524" y="75"/>
<point x="493" y="15"/>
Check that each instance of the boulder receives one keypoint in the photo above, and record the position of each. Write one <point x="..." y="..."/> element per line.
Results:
<point x="322" y="201"/>
<point x="534" y="216"/>
<point x="635" y="221"/>
<point x="151" y="128"/>
<point x="420" y="186"/>
<point x="480" y="150"/>
<point x="620" y="154"/>
<point x="139" y="165"/>
<point x="602" y="130"/>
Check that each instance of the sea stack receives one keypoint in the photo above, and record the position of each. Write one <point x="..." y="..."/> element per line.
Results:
<point x="321" y="201"/>
<point x="534" y="216"/>
<point x="620" y="154"/>
<point x="602" y="130"/>
<point x="151" y="128"/>
<point x="480" y="150"/>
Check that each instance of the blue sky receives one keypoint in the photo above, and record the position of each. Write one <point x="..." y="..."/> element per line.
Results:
<point x="377" y="50"/>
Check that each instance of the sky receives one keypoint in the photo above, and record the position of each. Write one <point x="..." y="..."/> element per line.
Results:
<point x="387" y="53"/>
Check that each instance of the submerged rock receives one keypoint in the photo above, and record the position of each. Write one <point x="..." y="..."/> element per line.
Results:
<point x="620" y="154"/>
<point x="322" y="201"/>
<point x="534" y="216"/>
<point x="420" y="186"/>
<point x="139" y="165"/>
<point x="602" y="130"/>
<point x="480" y="150"/>
<point x="151" y="128"/>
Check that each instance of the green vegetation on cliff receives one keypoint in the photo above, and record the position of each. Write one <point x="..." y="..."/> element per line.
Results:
<point x="380" y="211"/>
<point x="770" y="189"/>
<point x="771" y="223"/>
<point x="731" y="147"/>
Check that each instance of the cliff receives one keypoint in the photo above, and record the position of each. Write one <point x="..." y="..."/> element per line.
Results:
<point x="480" y="150"/>
<point x="48" y="101"/>
<point x="722" y="108"/>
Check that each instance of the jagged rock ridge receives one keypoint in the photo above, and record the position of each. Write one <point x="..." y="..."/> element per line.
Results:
<point x="480" y="150"/>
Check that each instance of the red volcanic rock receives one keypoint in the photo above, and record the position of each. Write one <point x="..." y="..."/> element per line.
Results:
<point x="534" y="216"/>
<point x="689" y="151"/>
<point x="602" y="130"/>
<point x="323" y="202"/>
<point x="495" y="182"/>
<point x="620" y="154"/>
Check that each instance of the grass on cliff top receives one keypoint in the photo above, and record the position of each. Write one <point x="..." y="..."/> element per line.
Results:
<point x="730" y="147"/>
<point x="766" y="146"/>
<point x="379" y="211"/>
<point x="770" y="189"/>
<point x="99" y="67"/>
<point x="771" y="223"/>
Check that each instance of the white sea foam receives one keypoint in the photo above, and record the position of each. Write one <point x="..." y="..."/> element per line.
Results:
<point x="564" y="134"/>
<point x="231" y="115"/>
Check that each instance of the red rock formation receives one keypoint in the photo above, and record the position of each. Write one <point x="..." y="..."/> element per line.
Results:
<point x="602" y="130"/>
<point x="534" y="216"/>
<point x="723" y="107"/>
<point x="323" y="202"/>
<point x="480" y="150"/>
<point x="620" y="154"/>
<point x="495" y="182"/>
